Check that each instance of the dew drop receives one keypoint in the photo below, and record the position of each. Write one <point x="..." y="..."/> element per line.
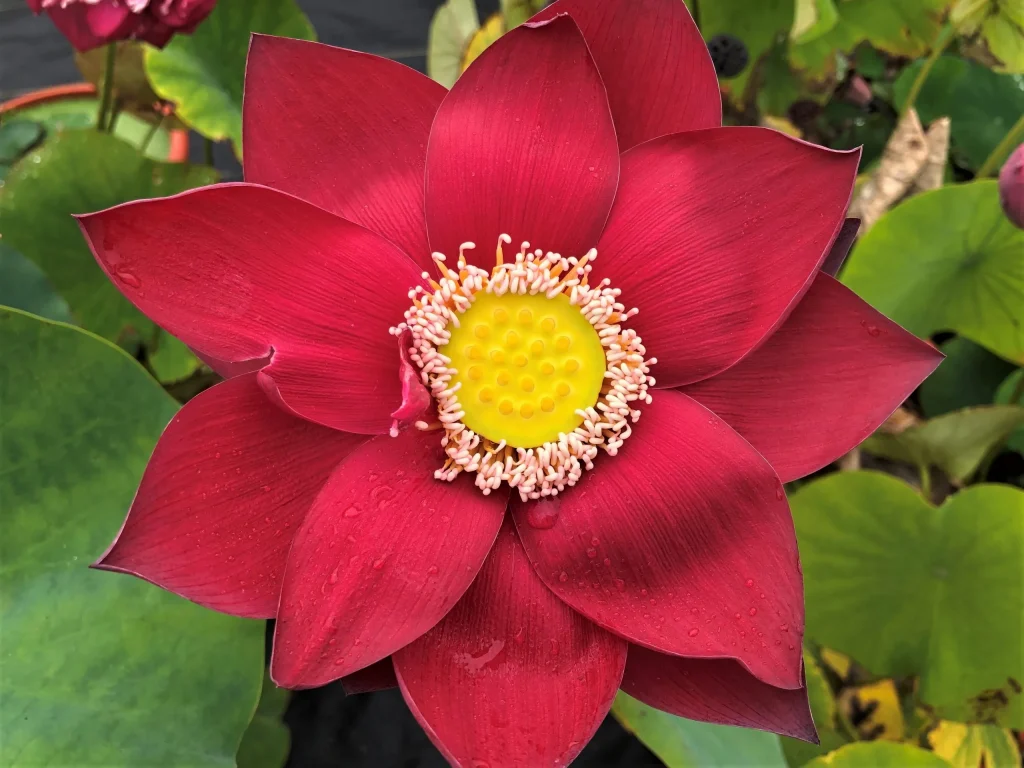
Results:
<point x="750" y="583"/>
<point x="379" y="563"/>
<point x="591" y="553"/>
<point x="432" y="570"/>
<point x="607" y="561"/>
<point x="543" y="515"/>
<point x="563" y="577"/>
<point x="352" y="511"/>
<point x="693" y="632"/>
<point x="784" y="627"/>
<point x="334" y="576"/>
<point x="128" y="279"/>
<point x="752" y="611"/>
<point x="619" y="584"/>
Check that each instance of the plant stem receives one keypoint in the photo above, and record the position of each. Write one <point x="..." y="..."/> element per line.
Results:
<point x="208" y="151"/>
<point x="1013" y="137"/>
<point x="925" y="472"/>
<point x="1018" y="392"/>
<point x="107" y="89"/>
<point x="150" y="134"/>
<point x="941" y="43"/>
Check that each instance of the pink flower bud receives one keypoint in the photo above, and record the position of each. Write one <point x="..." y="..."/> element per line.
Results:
<point x="1011" y="187"/>
<point x="91" y="23"/>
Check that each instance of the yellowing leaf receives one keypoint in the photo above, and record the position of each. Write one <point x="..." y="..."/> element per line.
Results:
<point x="965" y="746"/>
<point x="874" y="709"/>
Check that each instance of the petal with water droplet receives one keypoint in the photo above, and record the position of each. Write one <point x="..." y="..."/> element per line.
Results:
<point x="822" y="383"/>
<point x="357" y="588"/>
<point x="716" y="691"/>
<point x="498" y="680"/>
<point x="686" y="508"/>
<point x="228" y="484"/>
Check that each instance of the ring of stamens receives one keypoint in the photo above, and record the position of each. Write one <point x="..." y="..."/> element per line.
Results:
<point x="605" y="373"/>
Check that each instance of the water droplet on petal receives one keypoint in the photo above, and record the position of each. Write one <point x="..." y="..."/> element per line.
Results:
<point x="129" y="279"/>
<point x="542" y="515"/>
<point x="379" y="563"/>
<point x="750" y="583"/>
<point x="693" y="632"/>
<point x="752" y="611"/>
<point x="563" y="577"/>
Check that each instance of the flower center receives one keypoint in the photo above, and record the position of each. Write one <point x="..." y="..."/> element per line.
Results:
<point x="527" y="366"/>
<point x="530" y="366"/>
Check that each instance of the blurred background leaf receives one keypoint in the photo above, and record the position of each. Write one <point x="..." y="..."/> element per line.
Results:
<point x="99" y="668"/>
<point x="80" y="172"/>
<point x="947" y="260"/>
<point x="909" y="589"/>
<point x="25" y="287"/>
<point x="956" y="442"/>
<point x="266" y="740"/>
<point x="203" y="73"/>
<point x="879" y="754"/>
<point x="982" y="105"/>
<point x="971" y="746"/>
<point x="682" y="743"/>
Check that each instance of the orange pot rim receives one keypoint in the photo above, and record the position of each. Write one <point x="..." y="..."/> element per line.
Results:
<point x="177" y="151"/>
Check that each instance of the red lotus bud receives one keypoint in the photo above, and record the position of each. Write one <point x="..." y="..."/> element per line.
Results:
<point x="91" y="23"/>
<point x="1011" y="187"/>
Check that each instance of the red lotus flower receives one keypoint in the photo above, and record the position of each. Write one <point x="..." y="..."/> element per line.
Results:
<point x="557" y="523"/>
<point x="90" y="23"/>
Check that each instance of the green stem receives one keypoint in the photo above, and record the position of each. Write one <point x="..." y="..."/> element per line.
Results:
<point x="150" y="134"/>
<point x="208" y="151"/>
<point x="1018" y="392"/>
<point x="107" y="89"/>
<point x="1013" y="137"/>
<point x="925" y="472"/>
<point x="941" y="43"/>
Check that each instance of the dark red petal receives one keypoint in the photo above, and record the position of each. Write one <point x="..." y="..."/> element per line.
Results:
<point x="822" y="383"/>
<point x="512" y="676"/>
<point x="344" y="130"/>
<point x="715" y="235"/>
<point x="376" y="677"/>
<point x="841" y="247"/>
<point x="716" y="691"/>
<point x="238" y="271"/>
<point x="654" y="64"/>
<point x="383" y="555"/>
<point x="683" y="543"/>
<point x="231" y="479"/>
<point x="523" y="144"/>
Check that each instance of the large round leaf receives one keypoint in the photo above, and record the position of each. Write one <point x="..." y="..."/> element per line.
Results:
<point x="80" y="172"/>
<point x="682" y="743"/>
<point x="908" y="589"/>
<point x="203" y="73"/>
<point x="981" y="104"/>
<point x="878" y="754"/>
<point x="99" y="668"/>
<point x="947" y="260"/>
